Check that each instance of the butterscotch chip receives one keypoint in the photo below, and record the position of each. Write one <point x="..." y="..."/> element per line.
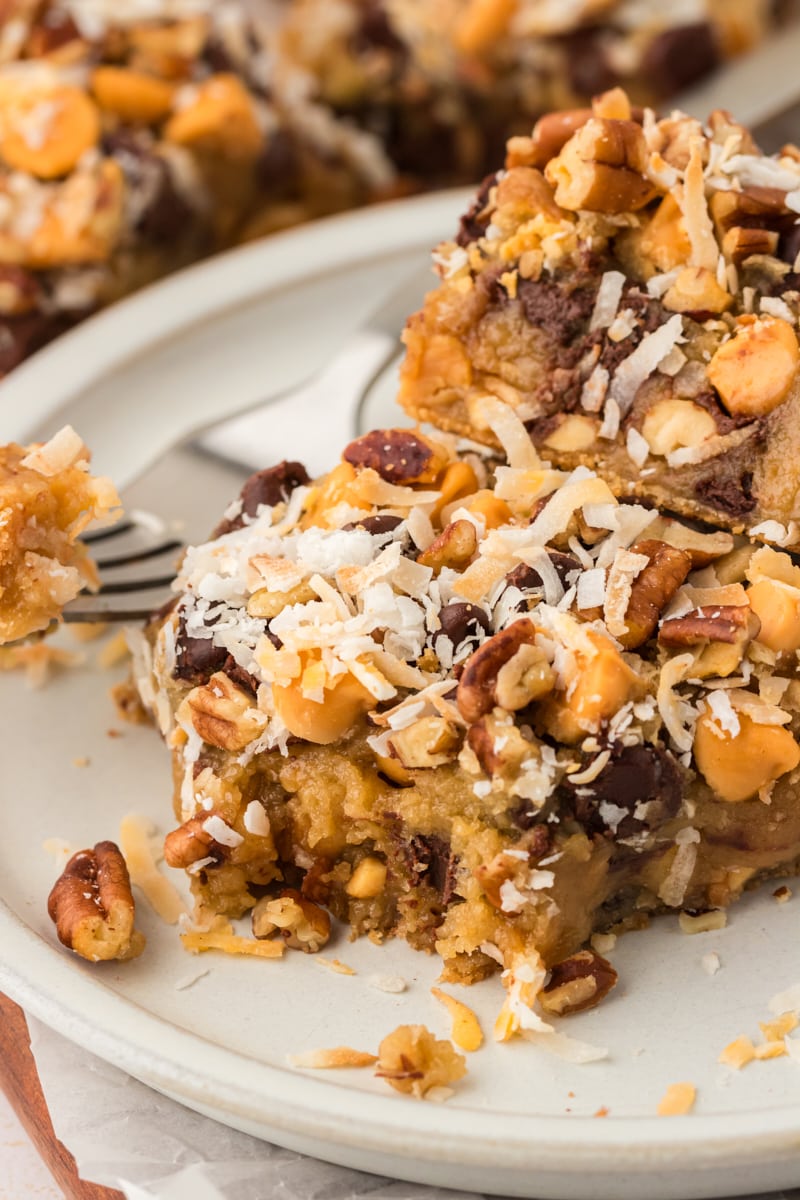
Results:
<point x="132" y="95"/>
<point x="46" y="133"/>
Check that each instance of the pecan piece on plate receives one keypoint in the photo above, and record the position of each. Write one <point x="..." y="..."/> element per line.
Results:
<point x="93" y="908"/>
<point x="579" y="982"/>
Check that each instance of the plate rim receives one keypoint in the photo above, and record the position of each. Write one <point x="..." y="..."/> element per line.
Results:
<point x="160" y="1053"/>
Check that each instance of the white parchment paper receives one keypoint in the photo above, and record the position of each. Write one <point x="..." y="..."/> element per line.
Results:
<point x="124" y="1135"/>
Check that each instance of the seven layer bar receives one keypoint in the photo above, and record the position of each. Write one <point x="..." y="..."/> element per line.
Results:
<point x="483" y="706"/>
<point x="630" y="287"/>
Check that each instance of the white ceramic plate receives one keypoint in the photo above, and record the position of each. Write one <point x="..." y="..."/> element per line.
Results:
<point x="522" y="1123"/>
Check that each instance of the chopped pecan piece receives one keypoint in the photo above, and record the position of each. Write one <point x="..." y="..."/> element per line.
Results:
<point x="191" y="842"/>
<point x="398" y="455"/>
<point x="724" y="630"/>
<point x="93" y="908"/>
<point x="302" y="924"/>
<point x="703" y="548"/>
<point x="429" y="742"/>
<point x="454" y="547"/>
<point x="653" y="588"/>
<point x="713" y="623"/>
<point x="579" y="982"/>
<point x="739" y="243"/>
<point x="508" y="664"/>
<point x="223" y="714"/>
<point x="551" y="133"/>
<point x="602" y="168"/>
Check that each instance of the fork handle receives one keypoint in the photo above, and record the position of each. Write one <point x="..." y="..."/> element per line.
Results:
<point x="313" y="423"/>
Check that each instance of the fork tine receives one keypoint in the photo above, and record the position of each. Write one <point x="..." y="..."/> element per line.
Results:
<point x="79" y="616"/>
<point x="126" y="587"/>
<point x="124" y="560"/>
<point x="103" y="535"/>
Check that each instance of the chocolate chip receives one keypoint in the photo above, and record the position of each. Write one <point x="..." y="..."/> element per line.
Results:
<point x="164" y="214"/>
<point x="243" y="679"/>
<point x="732" y="496"/>
<point x="55" y="29"/>
<point x="789" y="246"/>
<point x="270" y="487"/>
<point x="528" y="578"/>
<point x="431" y="861"/>
<point x="679" y="57"/>
<point x="279" y="165"/>
<point x="463" y="622"/>
<point x="472" y="226"/>
<point x="379" y="524"/>
<point x="375" y="30"/>
<point x="635" y="775"/>
<point x="196" y="659"/>
<point x="561" y="313"/>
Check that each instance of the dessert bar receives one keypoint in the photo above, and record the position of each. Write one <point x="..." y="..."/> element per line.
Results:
<point x="477" y="703"/>
<point x="629" y="286"/>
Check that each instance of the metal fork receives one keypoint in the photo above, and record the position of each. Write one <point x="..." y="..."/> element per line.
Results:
<point x="200" y="475"/>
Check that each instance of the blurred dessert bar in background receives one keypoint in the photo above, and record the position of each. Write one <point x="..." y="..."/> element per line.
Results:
<point x="136" y="138"/>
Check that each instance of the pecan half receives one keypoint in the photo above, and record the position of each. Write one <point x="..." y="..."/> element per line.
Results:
<point x="653" y="588"/>
<point x="528" y="675"/>
<point x="398" y="455"/>
<point x="579" y="982"/>
<point x="93" y="908"/>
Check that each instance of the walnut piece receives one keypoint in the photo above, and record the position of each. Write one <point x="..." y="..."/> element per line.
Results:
<point x="413" y="1061"/>
<point x="579" y="982"/>
<point x="93" y="908"/>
